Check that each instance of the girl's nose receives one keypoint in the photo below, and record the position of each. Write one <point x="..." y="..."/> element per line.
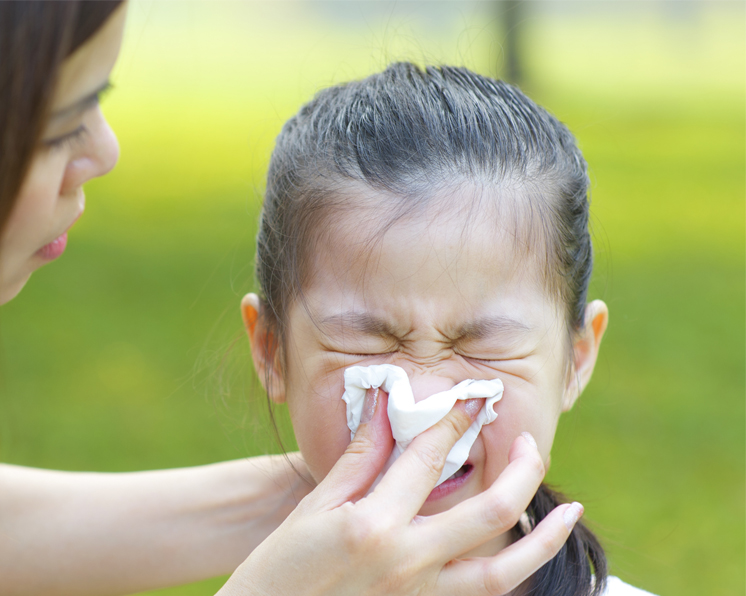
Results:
<point x="425" y="383"/>
<point x="97" y="156"/>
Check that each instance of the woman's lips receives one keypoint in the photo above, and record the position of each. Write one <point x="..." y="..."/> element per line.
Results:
<point x="53" y="250"/>
<point x="451" y="485"/>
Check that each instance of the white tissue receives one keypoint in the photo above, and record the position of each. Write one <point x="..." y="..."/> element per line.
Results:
<point x="408" y="419"/>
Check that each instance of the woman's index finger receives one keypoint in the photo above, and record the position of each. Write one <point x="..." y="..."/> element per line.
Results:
<point x="412" y="477"/>
<point x="360" y="464"/>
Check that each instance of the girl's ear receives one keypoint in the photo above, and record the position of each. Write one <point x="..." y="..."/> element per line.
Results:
<point x="264" y="348"/>
<point x="585" y="351"/>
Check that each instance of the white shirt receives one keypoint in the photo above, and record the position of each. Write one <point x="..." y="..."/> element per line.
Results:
<point x="616" y="587"/>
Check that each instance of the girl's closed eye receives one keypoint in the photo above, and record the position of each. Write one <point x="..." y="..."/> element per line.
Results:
<point x="514" y="367"/>
<point x="488" y="359"/>
<point x="353" y="345"/>
<point x="495" y="357"/>
<point x="365" y="352"/>
<point x="491" y="354"/>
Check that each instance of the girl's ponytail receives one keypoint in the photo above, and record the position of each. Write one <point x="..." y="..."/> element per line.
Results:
<point x="579" y="569"/>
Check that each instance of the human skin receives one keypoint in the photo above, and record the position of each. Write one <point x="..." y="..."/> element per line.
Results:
<point x="85" y="533"/>
<point x="82" y="533"/>
<point x="77" y="145"/>
<point x="94" y="534"/>
<point x="446" y="299"/>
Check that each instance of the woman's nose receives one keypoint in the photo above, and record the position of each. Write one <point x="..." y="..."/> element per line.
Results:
<point x="96" y="157"/>
<point x="107" y="147"/>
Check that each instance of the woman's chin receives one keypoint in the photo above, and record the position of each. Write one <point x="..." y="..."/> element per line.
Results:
<point x="11" y="289"/>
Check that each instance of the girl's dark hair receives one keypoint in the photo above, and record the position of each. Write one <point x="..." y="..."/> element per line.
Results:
<point x="579" y="569"/>
<point x="35" y="38"/>
<point x="408" y="134"/>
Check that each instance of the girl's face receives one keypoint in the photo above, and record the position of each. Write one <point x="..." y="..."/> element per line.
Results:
<point x="445" y="299"/>
<point x="77" y="145"/>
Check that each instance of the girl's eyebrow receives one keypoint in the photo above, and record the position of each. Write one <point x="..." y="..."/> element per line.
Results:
<point x="83" y="103"/>
<point x="490" y="326"/>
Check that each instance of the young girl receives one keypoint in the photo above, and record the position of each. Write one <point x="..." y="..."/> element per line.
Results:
<point x="436" y="220"/>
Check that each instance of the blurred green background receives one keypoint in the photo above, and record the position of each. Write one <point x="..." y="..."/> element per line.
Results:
<point x="128" y="353"/>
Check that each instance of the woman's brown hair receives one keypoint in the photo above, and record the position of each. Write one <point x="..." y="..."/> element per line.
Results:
<point x="35" y="38"/>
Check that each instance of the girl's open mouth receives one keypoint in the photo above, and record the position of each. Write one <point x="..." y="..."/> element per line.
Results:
<point x="456" y="481"/>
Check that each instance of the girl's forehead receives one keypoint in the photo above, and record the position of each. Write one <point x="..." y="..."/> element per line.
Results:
<point x="440" y="256"/>
<point x="426" y="274"/>
<point x="459" y="235"/>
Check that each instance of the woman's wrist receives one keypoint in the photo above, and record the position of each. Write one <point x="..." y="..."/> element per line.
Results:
<point x="248" y="500"/>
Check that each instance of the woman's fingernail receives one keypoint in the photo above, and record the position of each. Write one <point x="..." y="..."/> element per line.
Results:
<point x="529" y="439"/>
<point x="572" y="515"/>
<point x="472" y="407"/>
<point x="369" y="405"/>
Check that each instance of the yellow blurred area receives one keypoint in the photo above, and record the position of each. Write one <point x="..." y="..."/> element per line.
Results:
<point x="205" y="86"/>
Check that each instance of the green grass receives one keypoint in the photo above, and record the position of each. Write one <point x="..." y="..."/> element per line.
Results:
<point x="127" y="354"/>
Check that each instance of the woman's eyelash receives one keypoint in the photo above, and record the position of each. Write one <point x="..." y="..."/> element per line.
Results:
<point x="74" y="136"/>
<point x="69" y="139"/>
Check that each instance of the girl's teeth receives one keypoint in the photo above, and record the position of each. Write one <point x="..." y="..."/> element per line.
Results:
<point x="460" y="472"/>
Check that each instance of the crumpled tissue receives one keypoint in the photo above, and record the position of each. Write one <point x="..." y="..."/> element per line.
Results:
<point x="409" y="418"/>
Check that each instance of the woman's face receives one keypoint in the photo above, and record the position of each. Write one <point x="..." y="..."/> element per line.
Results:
<point x="446" y="300"/>
<point x="77" y="145"/>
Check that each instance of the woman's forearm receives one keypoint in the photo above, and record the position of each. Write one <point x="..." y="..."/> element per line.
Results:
<point x="89" y="533"/>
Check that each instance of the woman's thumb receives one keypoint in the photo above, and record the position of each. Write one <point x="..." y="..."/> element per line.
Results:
<point x="365" y="456"/>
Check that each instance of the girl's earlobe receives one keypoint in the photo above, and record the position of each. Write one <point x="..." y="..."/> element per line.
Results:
<point x="585" y="350"/>
<point x="264" y="348"/>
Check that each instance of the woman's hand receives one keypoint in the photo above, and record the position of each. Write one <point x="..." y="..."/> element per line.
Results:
<point x="340" y="541"/>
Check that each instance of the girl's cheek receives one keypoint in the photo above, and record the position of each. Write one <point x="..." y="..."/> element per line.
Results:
<point x="523" y="408"/>
<point x="321" y="447"/>
<point x="319" y="418"/>
<point x="496" y="440"/>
